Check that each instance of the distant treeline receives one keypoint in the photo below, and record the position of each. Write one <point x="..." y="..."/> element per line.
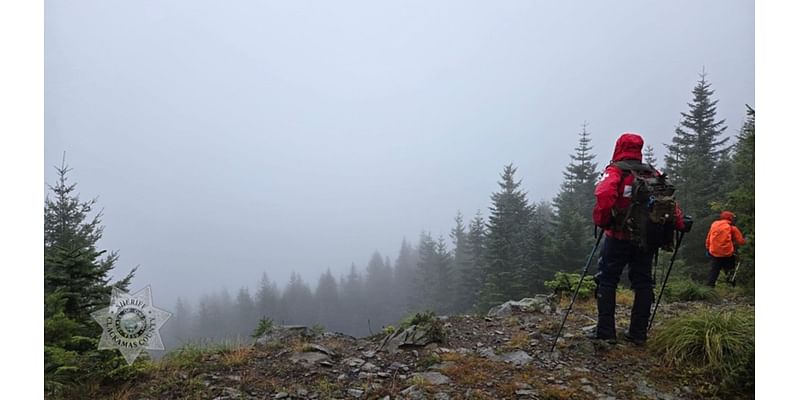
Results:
<point x="507" y="254"/>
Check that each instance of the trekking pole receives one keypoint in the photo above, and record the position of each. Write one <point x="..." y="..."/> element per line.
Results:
<point x="575" y="295"/>
<point x="666" y="277"/>
<point x="655" y="266"/>
<point x="733" y="278"/>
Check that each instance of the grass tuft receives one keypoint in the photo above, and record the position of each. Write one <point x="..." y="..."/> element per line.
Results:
<point x="718" y="345"/>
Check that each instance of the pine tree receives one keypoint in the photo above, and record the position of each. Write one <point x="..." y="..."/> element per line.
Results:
<point x="76" y="283"/>
<point x="246" y="319"/>
<point x="404" y="275"/>
<point x="507" y="247"/>
<point x="353" y="300"/>
<point x="472" y="280"/>
<point x="697" y="163"/>
<point x="649" y="156"/>
<point x="327" y="302"/>
<point x="572" y="230"/>
<point x="378" y="283"/>
<point x="462" y="265"/>
<point x="742" y="198"/>
<point x="266" y="299"/>
<point x="297" y="301"/>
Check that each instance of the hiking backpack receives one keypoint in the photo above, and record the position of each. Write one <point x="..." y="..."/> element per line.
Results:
<point x="650" y="217"/>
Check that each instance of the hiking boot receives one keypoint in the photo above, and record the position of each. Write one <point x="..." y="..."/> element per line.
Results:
<point x="634" y="340"/>
<point x="592" y="334"/>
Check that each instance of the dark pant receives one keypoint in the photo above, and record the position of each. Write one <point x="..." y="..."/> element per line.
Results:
<point x="617" y="254"/>
<point x="720" y="263"/>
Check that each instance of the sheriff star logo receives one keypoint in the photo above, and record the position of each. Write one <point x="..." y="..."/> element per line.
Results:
<point x="131" y="323"/>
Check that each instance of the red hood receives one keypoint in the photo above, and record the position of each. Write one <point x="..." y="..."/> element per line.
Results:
<point x="727" y="215"/>
<point x="629" y="147"/>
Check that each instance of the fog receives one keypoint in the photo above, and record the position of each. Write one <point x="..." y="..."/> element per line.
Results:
<point x="228" y="139"/>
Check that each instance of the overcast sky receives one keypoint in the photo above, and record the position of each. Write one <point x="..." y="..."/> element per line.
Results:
<point x="227" y="138"/>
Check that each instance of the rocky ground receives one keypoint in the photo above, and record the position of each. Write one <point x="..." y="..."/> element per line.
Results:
<point x="504" y="355"/>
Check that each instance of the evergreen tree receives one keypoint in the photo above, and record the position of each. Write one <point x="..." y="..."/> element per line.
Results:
<point x="179" y="330"/>
<point x="328" y="308"/>
<point x="742" y="197"/>
<point x="266" y="299"/>
<point x="463" y="265"/>
<point x="697" y="163"/>
<point x="649" y="156"/>
<point x="404" y="271"/>
<point x="507" y="247"/>
<point x="76" y="283"/>
<point x="378" y="285"/>
<point x="297" y="302"/>
<point x="473" y="277"/>
<point x="573" y="225"/>
<point x="353" y="300"/>
<point x="247" y="318"/>
<point x="435" y="277"/>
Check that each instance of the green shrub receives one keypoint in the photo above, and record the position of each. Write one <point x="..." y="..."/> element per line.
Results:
<point x="566" y="283"/>
<point x="429" y="321"/>
<point x="318" y="329"/>
<point x="718" y="345"/>
<point x="388" y="330"/>
<point x="689" y="290"/>
<point x="264" y="326"/>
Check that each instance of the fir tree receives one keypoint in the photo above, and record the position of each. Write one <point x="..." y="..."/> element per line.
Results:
<point x="404" y="274"/>
<point x="507" y="247"/>
<point x="462" y="265"/>
<point x="649" y="156"/>
<point x="76" y="283"/>
<point x="327" y="302"/>
<point x="697" y="163"/>
<point x="572" y="225"/>
<point x="378" y="283"/>
<point x="246" y="312"/>
<point x="266" y="299"/>
<point x="742" y="197"/>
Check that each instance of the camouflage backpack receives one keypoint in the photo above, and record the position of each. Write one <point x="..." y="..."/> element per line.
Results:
<point x="650" y="217"/>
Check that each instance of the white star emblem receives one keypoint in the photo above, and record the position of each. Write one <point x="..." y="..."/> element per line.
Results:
<point x="131" y="323"/>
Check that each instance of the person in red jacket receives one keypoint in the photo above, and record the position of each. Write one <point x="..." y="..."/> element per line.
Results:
<point x="613" y="195"/>
<point x="721" y="242"/>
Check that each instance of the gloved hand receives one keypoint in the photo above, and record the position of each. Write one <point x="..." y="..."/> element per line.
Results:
<point x="687" y="224"/>
<point x="708" y="254"/>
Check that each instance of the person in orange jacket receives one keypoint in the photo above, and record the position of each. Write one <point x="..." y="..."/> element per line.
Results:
<point x="721" y="243"/>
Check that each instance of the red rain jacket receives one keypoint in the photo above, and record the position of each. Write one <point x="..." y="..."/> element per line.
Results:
<point x="611" y="192"/>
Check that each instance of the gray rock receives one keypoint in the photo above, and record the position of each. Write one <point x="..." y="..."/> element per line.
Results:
<point x="396" y="365"/>
<point x="357" y="393"/>
<point x="369" y="367"/>
<point x="540" y="303"/>
<point x="353" y="362"/>
<point x="413" y="392"/>
<point x="281" y="395"/>
<point x="413" y="336"/>
<point x="441" y="396"/>
<point x="487" y="352"/>
<point x="434" y="378"/>
<point x="308" y="357"/>
<point x="368" y="354"/>
<point x="518" y="357"/>
<point x="281" y="334"/>
<point x="525" y="393"/>
<point x="321" y="349"/>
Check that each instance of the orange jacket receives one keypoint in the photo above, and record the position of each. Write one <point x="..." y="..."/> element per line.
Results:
<point x="721" y="238"/>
